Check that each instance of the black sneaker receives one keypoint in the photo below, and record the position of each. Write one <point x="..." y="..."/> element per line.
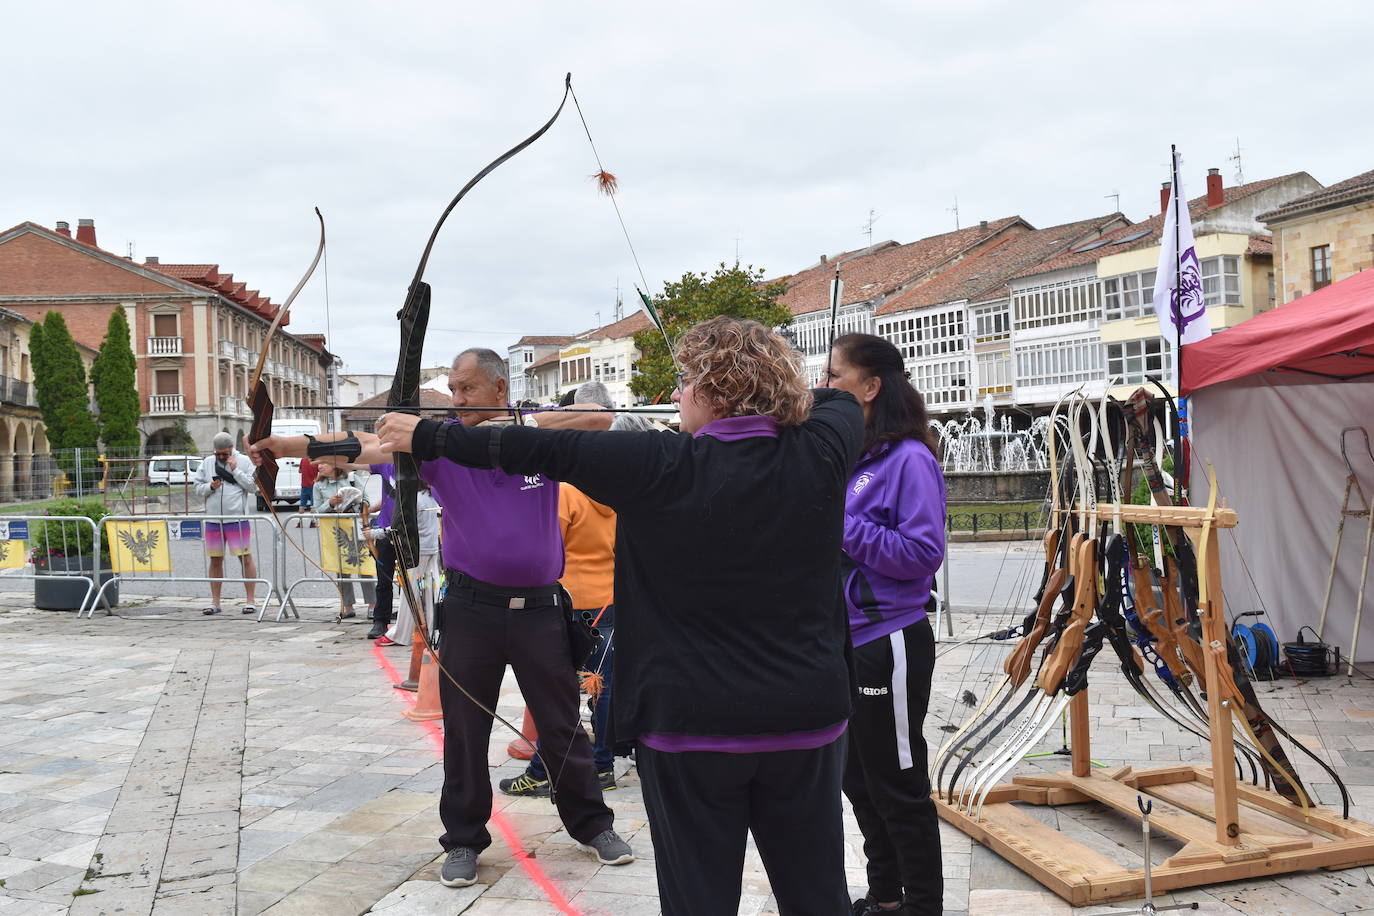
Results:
<point x="607" y="779"/>
<point x="524" y="786"/>
<point x="610" y="849"/>
<point x="378" y="630"/>
<point x="459" y="868"/>
<point x="866" y="906"/>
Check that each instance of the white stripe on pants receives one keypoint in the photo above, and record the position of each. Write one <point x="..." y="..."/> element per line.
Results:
<point x="901" y="713"/>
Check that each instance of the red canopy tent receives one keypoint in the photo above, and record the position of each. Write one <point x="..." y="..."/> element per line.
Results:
<point x="1269" y="399"/>
<point x="1329" y="333"/>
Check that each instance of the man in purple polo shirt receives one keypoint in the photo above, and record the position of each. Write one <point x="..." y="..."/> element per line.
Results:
<point x="503" y="550"/>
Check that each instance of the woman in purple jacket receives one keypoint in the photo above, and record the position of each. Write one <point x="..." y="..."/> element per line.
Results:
<point x="894" y="542"/>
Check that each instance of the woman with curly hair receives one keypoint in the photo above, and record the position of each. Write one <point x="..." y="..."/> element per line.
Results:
<point x="894" y="541"/>
<point x="730" y="671"/>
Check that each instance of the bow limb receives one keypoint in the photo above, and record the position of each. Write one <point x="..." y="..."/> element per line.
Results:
<point x="260" y="403"/>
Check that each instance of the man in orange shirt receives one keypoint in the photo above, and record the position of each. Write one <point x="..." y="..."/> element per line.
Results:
<point x="588" y="575"/>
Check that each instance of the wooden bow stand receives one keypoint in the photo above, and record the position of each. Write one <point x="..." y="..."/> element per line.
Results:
<point x="1229" y="831"/>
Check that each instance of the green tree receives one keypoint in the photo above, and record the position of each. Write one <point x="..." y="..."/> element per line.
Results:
<point x="738" y="292"/>
<point x="63" y="395"/>
<point x="179" y="440"/>
<point x="116" y="394"/>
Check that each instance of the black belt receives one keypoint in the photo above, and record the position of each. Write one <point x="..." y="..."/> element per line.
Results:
<point x="515" y="598"/>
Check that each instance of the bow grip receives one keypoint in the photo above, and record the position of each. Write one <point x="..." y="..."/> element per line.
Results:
<point x="1018" y="664"/>
<point x="1077" y="678"/>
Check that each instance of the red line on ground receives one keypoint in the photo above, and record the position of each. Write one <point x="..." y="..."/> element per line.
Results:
<point x="503" y="826"/>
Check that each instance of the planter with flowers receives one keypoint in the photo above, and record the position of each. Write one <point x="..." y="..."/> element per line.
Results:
<point x="64" y="548"/>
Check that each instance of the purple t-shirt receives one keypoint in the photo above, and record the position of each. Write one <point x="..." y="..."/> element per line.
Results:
<point x="388" y="504"/>
<point x="498" y="527"/>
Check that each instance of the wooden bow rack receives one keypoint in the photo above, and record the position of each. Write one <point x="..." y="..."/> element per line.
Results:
<point x="1229" y="830"/>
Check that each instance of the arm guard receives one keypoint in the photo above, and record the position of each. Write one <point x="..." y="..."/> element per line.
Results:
<point x="348" y="447"/>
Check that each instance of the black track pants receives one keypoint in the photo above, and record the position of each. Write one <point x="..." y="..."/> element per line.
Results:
<point x="477" y="642"/>
<point x="886" y="778"/>
<point x="702" y="805"/>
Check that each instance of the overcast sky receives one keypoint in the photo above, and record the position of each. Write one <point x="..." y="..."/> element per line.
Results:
<point x="207" y="132"/>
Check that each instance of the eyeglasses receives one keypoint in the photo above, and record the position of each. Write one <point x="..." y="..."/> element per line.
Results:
<point x="683" y="381"/>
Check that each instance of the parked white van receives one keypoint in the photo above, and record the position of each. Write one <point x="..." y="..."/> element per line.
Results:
<point x="169" y="470"/>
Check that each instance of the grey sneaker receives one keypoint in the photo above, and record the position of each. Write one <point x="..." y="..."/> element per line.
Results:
<point x="460" y="867"/>
<point x="610" y="849"/>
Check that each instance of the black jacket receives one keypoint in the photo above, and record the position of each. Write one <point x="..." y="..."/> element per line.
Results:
<point x="727" y="572"/>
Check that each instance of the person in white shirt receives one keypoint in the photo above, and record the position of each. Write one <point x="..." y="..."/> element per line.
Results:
<point x="225" y="481"/>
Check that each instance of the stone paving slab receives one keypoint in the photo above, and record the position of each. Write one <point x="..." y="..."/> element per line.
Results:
<point x="161" y="762"/>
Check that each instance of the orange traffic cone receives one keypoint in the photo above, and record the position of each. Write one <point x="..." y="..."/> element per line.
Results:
<point x="427" y="704"/>
<point x="520" y="750"/>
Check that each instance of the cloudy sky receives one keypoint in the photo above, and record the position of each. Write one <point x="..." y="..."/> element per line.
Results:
<point x="207" y="132"/>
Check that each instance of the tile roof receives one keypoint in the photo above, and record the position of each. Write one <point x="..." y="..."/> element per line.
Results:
<point x="1357" y="188"/>
<point x="985" y="274"/>
<point x="1260" y="245"/>
<point x="429" y="398"/>
<point x="625" y="327"/>
<point x="870" y="274"/>
<point x="544" y="340"/>
<point x="209" y="277"/>
<point x="540" y="363"/>
<point x="207" y="272"/>
<point x="1128" y="238"/>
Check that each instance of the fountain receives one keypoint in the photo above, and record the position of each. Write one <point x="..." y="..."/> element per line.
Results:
<point x="990" y="445"/>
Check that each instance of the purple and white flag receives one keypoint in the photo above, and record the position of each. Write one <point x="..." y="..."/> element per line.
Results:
<point x="1179" y="303"/>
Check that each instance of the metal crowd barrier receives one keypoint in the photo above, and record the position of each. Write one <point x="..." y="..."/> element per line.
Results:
<point x="140" y="545"/>
<point x="349" y="546"/>
<point x="16" y="533"/>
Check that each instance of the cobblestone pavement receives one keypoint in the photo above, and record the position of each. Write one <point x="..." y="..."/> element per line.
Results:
<point x="162" y="762"/>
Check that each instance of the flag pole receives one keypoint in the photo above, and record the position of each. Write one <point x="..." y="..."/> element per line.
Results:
<point x="1176" y="303"/>
<point x="835" y="292"/>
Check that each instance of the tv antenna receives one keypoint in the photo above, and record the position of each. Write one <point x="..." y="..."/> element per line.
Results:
<point x="1240" y="172"/>
<point x="1116" y="200"/>
<point x="955" y="210"/>
<point x="868" y="226"/>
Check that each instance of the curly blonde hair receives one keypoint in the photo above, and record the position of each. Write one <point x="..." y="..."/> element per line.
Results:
<point x="742" y="368"/>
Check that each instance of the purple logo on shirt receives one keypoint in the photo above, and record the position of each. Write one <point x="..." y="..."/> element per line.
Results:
<point x="862" y="481"/>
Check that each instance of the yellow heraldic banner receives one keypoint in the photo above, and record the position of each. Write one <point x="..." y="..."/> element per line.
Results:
<point x="138" y="546"/>
<point x="342" y="548"/>
<point x="12" y="554"/>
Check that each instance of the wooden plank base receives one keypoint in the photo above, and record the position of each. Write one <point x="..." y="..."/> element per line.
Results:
<point x="1275" y="836"/>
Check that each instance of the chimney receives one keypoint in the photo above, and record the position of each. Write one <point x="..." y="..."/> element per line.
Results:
<point x="1214" y="196"/>
<point x="85" y="232"/>
<point x="983" y="225"/>
<point x="151" y="259"/>
<point x="824" y="258"/>
<point x="1164" y="190"/>
<point x="64" y="228"/>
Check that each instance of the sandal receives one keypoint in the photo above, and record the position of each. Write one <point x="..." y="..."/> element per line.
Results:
<point x="347" y="613"/>
<point x="210" y="610"/>
<point x="249" y="609"/>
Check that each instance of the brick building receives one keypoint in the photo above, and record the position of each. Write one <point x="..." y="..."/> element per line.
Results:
<point x="196" y="331"/>
<point x="1323" y="237"/>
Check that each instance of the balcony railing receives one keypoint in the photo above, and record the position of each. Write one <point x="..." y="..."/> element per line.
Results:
<point x="164" y="346"/>
<point x="226" y="348"/>
<point x="13" y="391"/>
<point x="235" y="407"/>
<point x="242" y="354"/>
<point x="165" y="403"/>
